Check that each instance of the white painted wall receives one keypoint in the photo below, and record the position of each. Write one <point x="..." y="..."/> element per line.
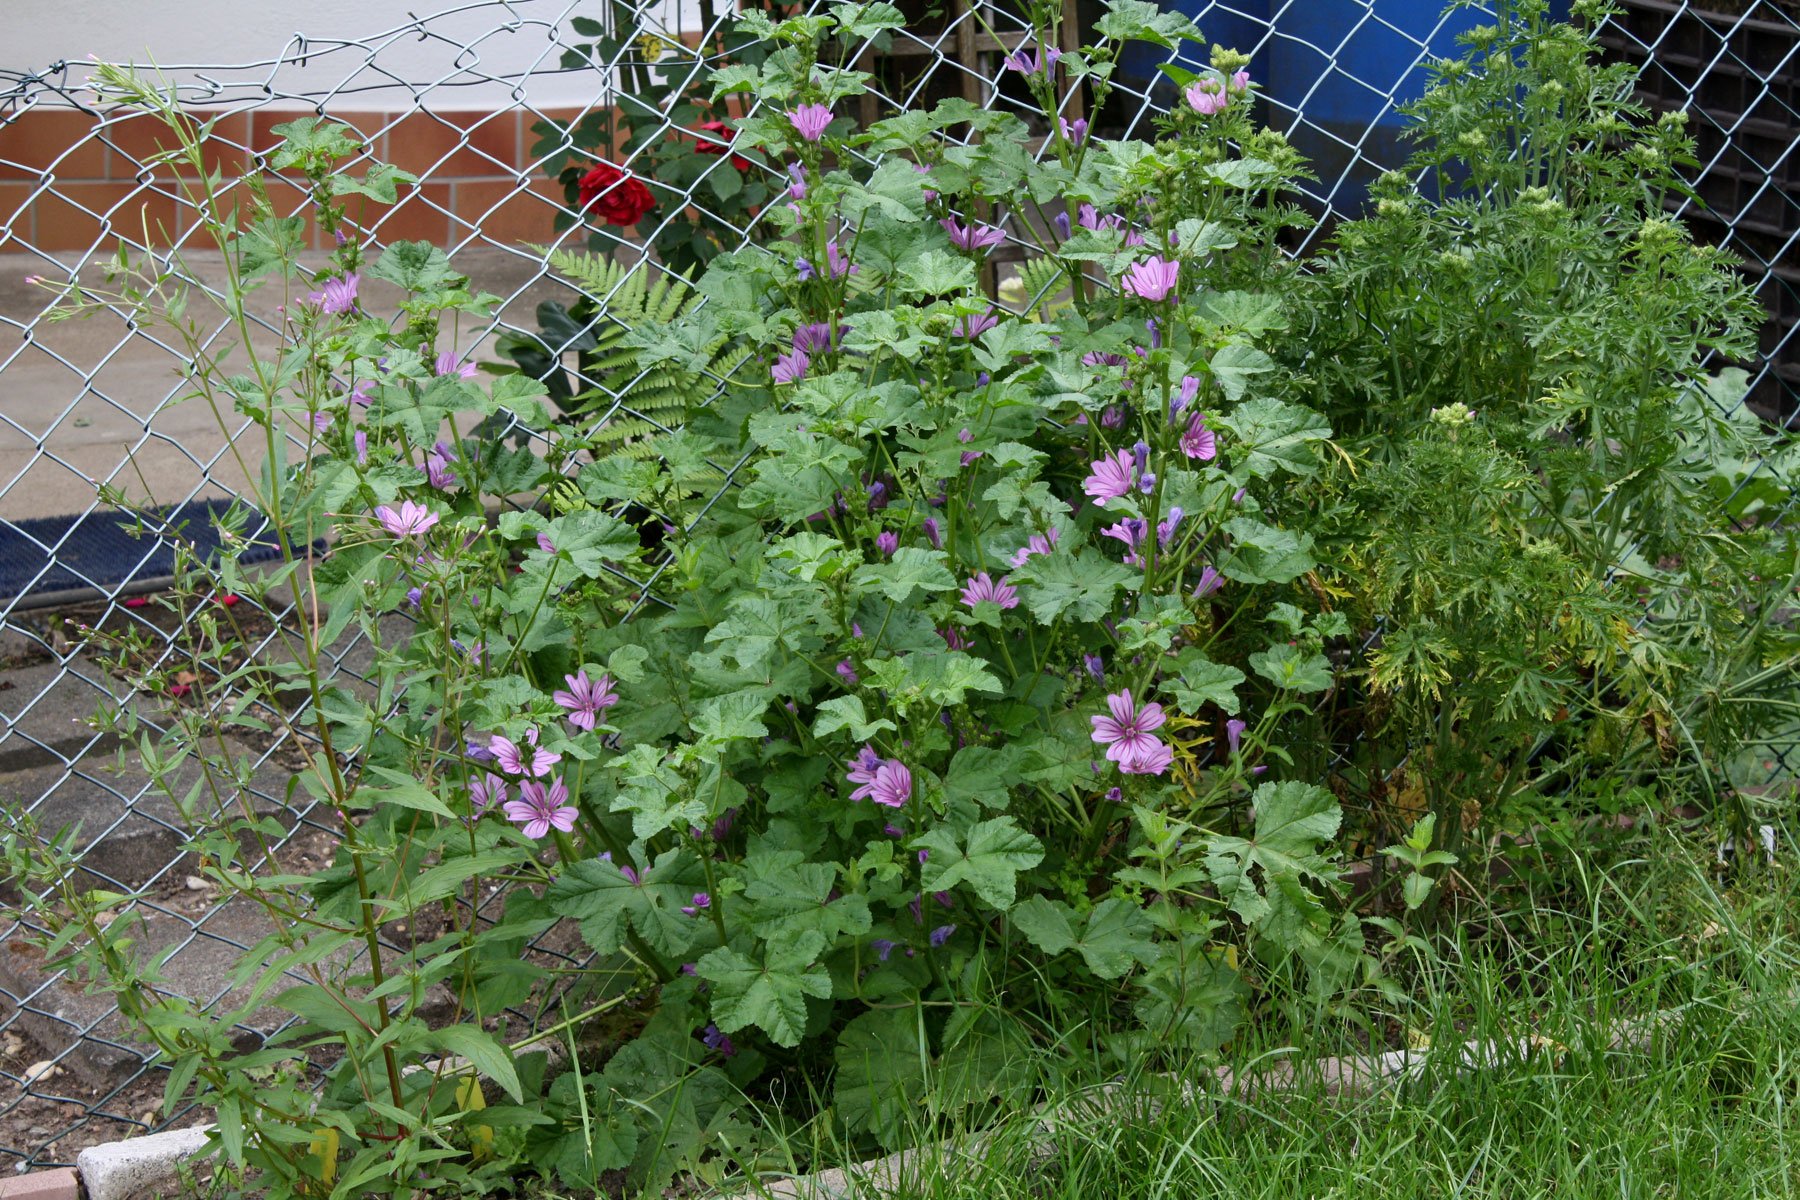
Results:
<point x="471" y="55"/>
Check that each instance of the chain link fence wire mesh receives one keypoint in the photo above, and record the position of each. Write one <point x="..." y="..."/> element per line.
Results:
<point x="475" y="101"/>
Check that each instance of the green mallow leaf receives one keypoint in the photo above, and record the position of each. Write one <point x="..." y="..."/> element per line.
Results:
<point x="913" y="568"/>
<point x="989" y="859"/>
<point x="1200" y="681"/>
<point x="1289" y="667"/>
<point x="771" y="992"/>
<point x="882" y="1064"/>
<point x="1080" y="586"/>
<point x="606" y="901"/>
<point x="1292" y="820"/>
<point x="846" y="712"/>
<point x="1262" y="553"/>
<point x="1117" y="935"/>
<point x="1271" y="436"/>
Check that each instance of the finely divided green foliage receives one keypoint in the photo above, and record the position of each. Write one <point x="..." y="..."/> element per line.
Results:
<point x="954" y="689"/>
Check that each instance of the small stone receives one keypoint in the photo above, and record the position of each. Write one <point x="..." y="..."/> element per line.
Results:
<point x="42" y="1069"/>
<point x="194" y="883"/>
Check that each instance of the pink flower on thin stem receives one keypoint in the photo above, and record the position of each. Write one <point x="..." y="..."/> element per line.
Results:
<point x="529" y="759"/>
<point x="892" y="785"/>
<point x="336" y="295"/>
<point x="447" y="365"/>
<point x="1197" y="441"/>
<point x="1240" y="82"/>
<point x="586" y="698"/>
<point x="886" y="542"/>
<point x="1127" y="732"/>
<point x="361" y="438"/>
<point x="975" y="239"/>
<point x="438" y="473"/>
<point x="810" y="121"/>
<point x="487" y="792"/>
<point x="1210" y="582"/>
<point x="1208" y="97"/>
<point x="1153" y="760"/>
<point x="1153" y="279"/>
<point x="1038" y="544"/>
<point x="790" y="367"/>
<point x="981" y="589"/>
<point x="1110" y="478"/>
<point x="539" y="810"/>
<point x="412" y="519"/>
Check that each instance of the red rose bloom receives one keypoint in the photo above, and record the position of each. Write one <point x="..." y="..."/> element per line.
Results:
<point x="722" y="133"/>
<point x="614" y="196"/>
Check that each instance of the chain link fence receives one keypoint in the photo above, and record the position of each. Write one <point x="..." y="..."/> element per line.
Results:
<point x="477" y="102"/>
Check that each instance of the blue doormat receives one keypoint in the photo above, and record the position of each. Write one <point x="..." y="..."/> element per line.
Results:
<point x="68" y="560"/>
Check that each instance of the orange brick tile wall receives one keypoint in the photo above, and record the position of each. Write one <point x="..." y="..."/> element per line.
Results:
<point x="71" y="181"/>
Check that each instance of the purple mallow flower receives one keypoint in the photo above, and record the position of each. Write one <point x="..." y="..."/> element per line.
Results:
<point x="1197" y="441"/>
<point x="813" y="337"/>
<point x="885" y="781"/>
<point x="1026" y="61"/>
<point x="796" y="188"/>
<point x="1074" y="132"/>
<point x="882" y="947"/>
<point x="1127" y="732"/>
<point x="1234" y="733"/>
<point x="983" y="589"/>
<point x="1038" y="544"/>
<point x="972" y="327"/>
<point x="1095" y="667"/>
<point x="438" y="473"/>
<point x="539" y="810"/>
<point x="886" y="542"/>
<point x="846" y="670"/>
<point x="527" y="759"/>
<point x="941" y="934"/>
<point x="1109" y="479"/>
<point x="810" y="120"/>
<point x="1153" y="279"/>
<point x="1210" y="582"/>
<point x="933" y="533"/>
<point x="1208" y="97"/>
<point x="586" y="698"/>
<point x="717" y="1041"/>
<point x="447" y="364"/>
<point x="411" y="519"/>
<point x="835" y="260"/>
<point x="1130" y="531"/>
<point x="487" y="792"/>
<point x="790" y="367"/>
<point x="337" y="295"/>
<point x="702" y="900"/>
<point x="976" y="239"/>
<point x="545" y="544"/>
<point x="361" y="438"/>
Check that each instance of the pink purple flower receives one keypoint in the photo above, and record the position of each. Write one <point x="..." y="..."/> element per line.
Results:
<point x="846" y="670"/>
<point x="447" y="365"/>
<point x="1197" y="441"/>
<point x="1208" y="97"/>
<point x="1184" y="396"/>
<point x="412" y="518"/>
<point x="796" y="188"/>
<point x="1165" y="529"/>
<point x="813" y="337"/>
<point x="1074" y="132"/>
<point x="933" y="533"/>
<point x="790" y="367"/>
<point x="954" y="638"/>
<point x="810" y="120"/>
<point x="981" y="589"/>
<point x="1210" y="582"/>
<point x="1109" y="478"/>
<point x="586" y="698"/>
<point x="1234" y="733"/>
<point x="972" y="327"/>
<point x="838" y="264"/>
<point x="527" y="759"/>
<point x="1152" y="760"/>
<point x="886" y="781"/>
<point x="438" y="473"/>
<point x="1038" y="544"/>
<point x="361" y="439"/>
<point x="545" y="544"/>
<point x="539" y="810"/>
<point x="1127" y="732"/>
<point x="701" y="902"/>
<point x="1241" y="81"/>
<point x="1026" y="61"/>
<point x="360" y="394"/>
<point x="976" y="239"/>
<point x="1153" y="279"/>
<point x="941" y="934"/>
<point x="336" y="295"/>
<point x="1130" y="531"/>
<point x="886" y="542"/>
<point x="487" y="792"/>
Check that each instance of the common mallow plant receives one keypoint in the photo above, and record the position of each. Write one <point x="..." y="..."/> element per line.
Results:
<point x="958" y="662"/>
